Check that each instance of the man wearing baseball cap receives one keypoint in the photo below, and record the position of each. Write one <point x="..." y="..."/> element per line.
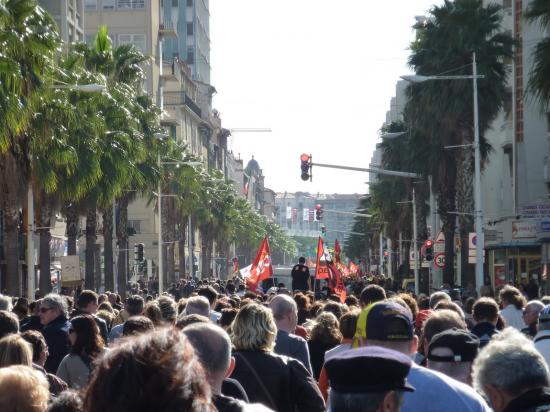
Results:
<point x="388" y="324"/>
<point x="370" y="378"/>
<point x="452" y="352"/>
<point x="542" y="338"/>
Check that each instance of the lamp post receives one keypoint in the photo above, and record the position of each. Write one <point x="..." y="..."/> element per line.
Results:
<point x="414" y="242"/>
<point x="477" y="159"/>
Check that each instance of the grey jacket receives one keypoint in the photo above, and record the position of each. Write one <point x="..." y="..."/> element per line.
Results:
<point x="293" y="346"/>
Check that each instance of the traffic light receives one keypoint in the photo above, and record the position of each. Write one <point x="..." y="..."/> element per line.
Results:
<point x="386" y="255"/>
<point x="318" y="212"/>
<point x="429" y="250"/>
<point x="324" y="230"/>
<point x="305" y="166"/>
<point x="140" y="252"/>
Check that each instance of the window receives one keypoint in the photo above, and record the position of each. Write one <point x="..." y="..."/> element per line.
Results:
<point x="90" y="4"/>
<point x="138" y="40"/>
<point x="131" y="4"/>
<point x="109" y="4"/>
<point x="190" y="56"/>
<point x="189" y="29"/>
<point x="135" y="225"/>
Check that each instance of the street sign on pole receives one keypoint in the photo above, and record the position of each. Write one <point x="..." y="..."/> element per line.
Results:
<point x="439" y="260"/>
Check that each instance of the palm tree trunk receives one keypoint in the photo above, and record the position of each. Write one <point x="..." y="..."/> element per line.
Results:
<point x="11" y="248"/>
<point x="465" y="203"/>
<point x="97" y="267"/>
<point x="91" y="223"/>
<point x="72" y="229"/>
<point x="44" y="220"/>
<point x="181" y="245"/>
<point x="108" y="248"/>
<point x="122" y="241"/>
<point x="165" y="225"/>
<point x="170" y="235"/>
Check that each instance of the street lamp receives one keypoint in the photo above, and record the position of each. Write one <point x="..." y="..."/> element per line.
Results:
<point x="415" y="243"/>
<point x="477" y="158"/>
<point x="392" y="135"/>
<point x="86" y="88"/>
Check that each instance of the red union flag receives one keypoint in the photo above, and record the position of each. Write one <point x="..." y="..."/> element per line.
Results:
<point x="323" y="256"/>
<point x="261" y="268"/>
<point x="337" y="251"/>
<point x="326" y="269"/>
<point x="353" y="269"/>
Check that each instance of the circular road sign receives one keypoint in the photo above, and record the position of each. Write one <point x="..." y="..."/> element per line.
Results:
<point x="439" y="260"/>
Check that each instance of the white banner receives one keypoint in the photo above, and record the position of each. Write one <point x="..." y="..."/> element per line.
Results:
<point x="306" y="215"/>
<point x="289" y="212"/>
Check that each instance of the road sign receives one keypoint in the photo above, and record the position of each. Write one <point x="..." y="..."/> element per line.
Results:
<point x="70" y="269"/>
<point x="439" y="243"/>
<point x="439" y="260"/>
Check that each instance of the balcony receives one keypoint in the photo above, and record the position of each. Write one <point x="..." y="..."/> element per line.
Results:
<point x="193" y="106"/>
<point x="170" y="71"/>
<point x="174" y="98"/>
<point x="167" y="29"/>
<point x="170" y="116"/>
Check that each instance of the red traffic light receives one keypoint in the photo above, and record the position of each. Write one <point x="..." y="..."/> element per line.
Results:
<point x="386" y="253"/>
<point x="318" y="207"/>
<point x="429" y="243"/>
<point x="304" y="157"/>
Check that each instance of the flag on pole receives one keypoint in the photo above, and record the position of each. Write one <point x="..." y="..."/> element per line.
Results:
<point x="353" y="269"/>
<point x="326" y="269"/>
<point x="337" y="251"/>
<point x="261" y="268"/>
<point x="309" y="262"/>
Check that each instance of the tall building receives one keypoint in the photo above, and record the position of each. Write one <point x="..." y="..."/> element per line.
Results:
<point x="69" y="16"/>
<point x="191" y="18"/>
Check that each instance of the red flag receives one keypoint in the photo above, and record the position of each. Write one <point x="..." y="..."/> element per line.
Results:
<point x="309" y="262"/>
<point x="337" y="251"/>
<point x="353" y="269"/>
<point x="261" y="269"/>
<point x="327" y="270"/>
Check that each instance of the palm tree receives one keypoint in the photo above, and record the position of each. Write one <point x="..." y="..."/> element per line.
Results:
<point x="441" y="113"/>
<point x="539" y="83"/>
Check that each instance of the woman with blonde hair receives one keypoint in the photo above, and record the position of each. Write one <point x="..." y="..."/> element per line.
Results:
<point x="23" y="389"/>
<point x="278" y="382"/>
<point x="14" y="350"/>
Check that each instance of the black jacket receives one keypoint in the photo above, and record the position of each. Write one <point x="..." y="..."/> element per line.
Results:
<point x="31" y="323"/>
<point x="285" y="386"/>
<point x="56" y="334"/>
<point x="536" y="400"/>
<point x="484" y="331"/>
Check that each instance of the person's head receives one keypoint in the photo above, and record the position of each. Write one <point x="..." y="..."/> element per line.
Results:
<point x="162" y="363"/>
<point x="67" y="401"/>
<point x="368" y="379"/>
<point x="213" y="347"/>
<point x="21" y="306"/>
<point x="348" y="323"/>
<point x="485" y="310"/>
<point x="302" y="260"/>
<point x="437" y="297"/>
<point x="351" y="300"/>
<point x="153" y="312"/>
<point x="112" y="298"/>
<point x="23" y="389"/>
<point x="254" y="328"/>
<point x="227" y="318"/>
<point x="84" y="336"/>
<point x="452" y="353"/>
<point x="510" y="295"/>
<point x="14" y="350"/>
<point x="5" y="303"/>
<point x="336" y="308"/>
<point x="168" y="309"/>
<point x="209" y="293"/>
<point x="9" y="323"/>
<point x="411" y="303"/>
<point x="507" y="367"/>
<point x="387" y="324"/>
<point x="39" y="347"/>
<point x="371" y="294"/>
<point x="106" y="307"/>
<point x="285" y="312"/>
<point x="544" y="319"/>
<point x="469" y="305"/>
<point x="52" y="306"/>
<point x="531" y="312"/>
<point x="87" y="302"/>
<point x="198" y="305"/>
<point x="134" y="305"/>
<point x="439" y="321"/>
<point x="326" y="330"/>
<point x="136" y="325"/>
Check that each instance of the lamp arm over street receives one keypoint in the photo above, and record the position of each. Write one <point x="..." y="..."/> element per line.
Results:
<point x="370" y="170"/>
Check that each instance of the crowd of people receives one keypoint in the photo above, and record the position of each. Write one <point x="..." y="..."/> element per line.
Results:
<point x="213" y="345"/>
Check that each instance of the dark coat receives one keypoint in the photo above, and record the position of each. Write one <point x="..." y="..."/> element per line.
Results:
<point x="285" y="386"/>
<point x="56" y="334"/>
<point x="31" y="323"/>
<point x="317" y="352"/>
<point x="536" y="400"/>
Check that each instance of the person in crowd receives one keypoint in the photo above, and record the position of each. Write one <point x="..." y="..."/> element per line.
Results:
<point x="512" y="374"/>
<point x="227" y="318"/>
<point x="210" y="293"/>
<point x="39" y="356"/>
<point x="542" y="338"/>
<point x="68" y="401"/>
<point x="5" y="303"/>
<point x="411" y="303"/>
<point x="421" y="318"/>
<point x="168" y="310"/>
<point x="22" y="389"/>
<point x="285" y="313"/>
<point x="440" y="321"/>
<point x="87" y="304"/>
<point x="278" y="382"/>
<point x="512" y="303"/>
<point x="485" y="313"/>
<point x="390" y="325"/>
<point x="198" y="305"/>
<point x="134" y="307"/>
<point x="468" y="312"/>
<point x="303" y="304"/>
<point x="163" y="365"/>
<point x="336" y="308"/>
<point x="324" y="336"/>
<point x="153" y="312"/>
<point x="301" y="279"/>
<point x="86" y="345"/>
<point x="53" y="315"/>
<point x="137" y="325"/>
<point x="369" y="379"/>
<point x="347" y="325"/>
<point x="531" y="316"/>
<point x="437" y="297"/>
<point x="21" y="308"/>
<point x="452" y="353"/>
<point x="14" y="350"/>
<point x="9" y="323"/>
<point x="444" y="304"/>
<point x="116" y="301"/>
<point x="371" y="294"/>
<point x="187" y="320"/>
<point x="32" y="322"/>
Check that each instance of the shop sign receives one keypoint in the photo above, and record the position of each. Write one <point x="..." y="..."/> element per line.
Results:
<point x="536" y="210"/>
<point x="524" y="229"/>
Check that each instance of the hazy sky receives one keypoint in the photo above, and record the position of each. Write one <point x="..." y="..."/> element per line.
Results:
<point x="319" y="73"/>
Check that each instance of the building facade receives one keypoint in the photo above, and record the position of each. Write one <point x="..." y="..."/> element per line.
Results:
<point x="69" y="16"/>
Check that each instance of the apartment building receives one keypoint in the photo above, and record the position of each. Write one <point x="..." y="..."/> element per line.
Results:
<point x="69" y="16"/>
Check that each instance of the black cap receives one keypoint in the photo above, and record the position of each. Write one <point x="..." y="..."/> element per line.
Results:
<point x="370" y="369"/>
<point x="462" y="343"/>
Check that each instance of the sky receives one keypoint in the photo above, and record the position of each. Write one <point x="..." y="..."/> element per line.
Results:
<point x="320" y="74"/>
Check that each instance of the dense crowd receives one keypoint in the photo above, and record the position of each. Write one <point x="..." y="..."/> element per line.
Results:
<point x="213" y="345"/>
